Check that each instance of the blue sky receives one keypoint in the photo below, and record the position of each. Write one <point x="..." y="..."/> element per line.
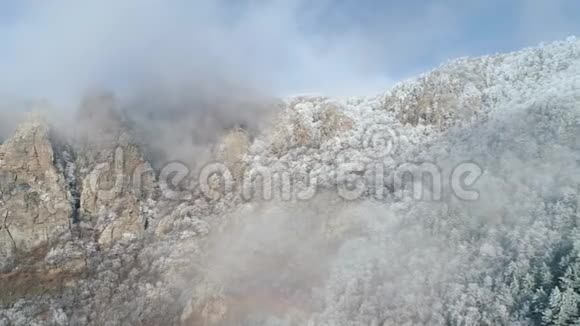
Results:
<point x="62" y="48"/>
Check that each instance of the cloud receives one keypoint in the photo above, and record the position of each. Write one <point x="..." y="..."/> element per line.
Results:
<point x="58" y="49"/>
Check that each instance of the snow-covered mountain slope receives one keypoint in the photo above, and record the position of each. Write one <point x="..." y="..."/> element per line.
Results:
<point x="451" y="199"/>
<point x="318" y="133"/>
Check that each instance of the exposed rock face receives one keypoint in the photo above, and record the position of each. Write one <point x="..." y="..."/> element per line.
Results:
<point x="39" y="194"/>
<point x="115" y="191"/>
<point x="116" y="179"/>
<point x="233" y="148"/>
<point x="35" y="205"/>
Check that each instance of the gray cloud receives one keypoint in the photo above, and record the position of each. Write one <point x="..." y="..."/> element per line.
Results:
<point x="58" y="49"/>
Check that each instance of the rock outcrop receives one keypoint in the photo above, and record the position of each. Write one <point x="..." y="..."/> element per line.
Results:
<point x="35" y="204"/>
<point x="116" y="178"/>
<point x="115" y="192"/>
<point x="232" y="150"/>
<point x="39" y="194"/>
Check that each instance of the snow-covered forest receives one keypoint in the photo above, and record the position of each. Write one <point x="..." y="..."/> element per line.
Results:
<point x="509" y="256"/>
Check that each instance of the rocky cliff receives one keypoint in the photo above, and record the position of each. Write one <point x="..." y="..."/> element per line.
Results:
<point x="40" y="197"/>
<point x="35" y="202"/>
<point x="116" y="180"/>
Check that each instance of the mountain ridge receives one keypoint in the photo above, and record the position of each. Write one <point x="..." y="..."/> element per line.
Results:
<point x="134" y="255"/>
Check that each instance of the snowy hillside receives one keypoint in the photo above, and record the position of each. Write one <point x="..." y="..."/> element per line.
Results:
<point x="451" y="199"/>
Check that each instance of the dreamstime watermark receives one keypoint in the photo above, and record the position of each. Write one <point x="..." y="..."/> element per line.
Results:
<point x="351" y="181"/>
<point x="380" y="141"/>
<point x="366" y="178"/>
